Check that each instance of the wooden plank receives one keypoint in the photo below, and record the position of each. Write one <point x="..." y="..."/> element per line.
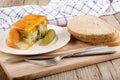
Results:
<point x="5" y="3"/>
<point x="43" y="2"/>
<point x="117" y="16"/>
<point x="88" y="73"/>
<point x="107" y="71"/>
<point x="17" y="2"/>
<point x="31" y="2"/>
<point x="3" y="75"/>
<point x="112" y="20"/>
<point x="116" y="65"/>
<point x="28" y="71"/>
<point x="9" y="3"/>
<point x="70" y="75"/>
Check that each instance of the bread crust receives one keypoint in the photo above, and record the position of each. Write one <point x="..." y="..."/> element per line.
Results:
<point x="116" y="42"/>
<point x="92" y="38"/>
<point x="92" y="30"/>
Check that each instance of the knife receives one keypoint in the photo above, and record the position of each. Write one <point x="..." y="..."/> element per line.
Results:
<point x="89" y="51"/>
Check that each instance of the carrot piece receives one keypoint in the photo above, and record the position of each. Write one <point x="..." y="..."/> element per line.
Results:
<point x="13" y="35"/>
<point x="10" y="43"/>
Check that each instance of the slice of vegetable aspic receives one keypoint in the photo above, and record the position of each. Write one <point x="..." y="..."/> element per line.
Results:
<point x="26" y="31"/>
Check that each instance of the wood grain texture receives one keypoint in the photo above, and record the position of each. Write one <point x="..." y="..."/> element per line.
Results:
<point x="31" y="2"/>
<point x="9" y="3"/>
<point x="117" y="16"/>
<point x="112" y="20"/>
<point x="3" y="75"/>
<point x="70" y="75"/>
<point x="88" y="73"/>
<point x="109" y="70"/>
<point x="43" y="2"/>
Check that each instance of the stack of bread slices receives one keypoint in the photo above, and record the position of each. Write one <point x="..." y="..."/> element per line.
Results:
<point x="93" y="30"/>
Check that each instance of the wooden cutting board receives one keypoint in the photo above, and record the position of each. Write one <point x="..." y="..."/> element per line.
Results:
<point x="27" y="71"/>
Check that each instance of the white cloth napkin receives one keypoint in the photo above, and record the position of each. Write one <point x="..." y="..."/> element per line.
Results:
<point x="59" y="11"/>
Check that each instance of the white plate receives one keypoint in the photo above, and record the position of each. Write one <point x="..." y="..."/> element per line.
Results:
<point x="61" y="40"/>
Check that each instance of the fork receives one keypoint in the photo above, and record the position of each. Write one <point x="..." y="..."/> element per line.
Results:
<point x="57" y="59"/>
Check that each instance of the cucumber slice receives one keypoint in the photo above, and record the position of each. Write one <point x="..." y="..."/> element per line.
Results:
<point x="49" y="37"/>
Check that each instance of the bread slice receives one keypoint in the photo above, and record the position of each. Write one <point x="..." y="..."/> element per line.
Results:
<point x="112" y="43"/>
<point x="91" y="29"/>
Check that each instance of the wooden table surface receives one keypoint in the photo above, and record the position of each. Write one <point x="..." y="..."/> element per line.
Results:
<point x="109" y="70"/>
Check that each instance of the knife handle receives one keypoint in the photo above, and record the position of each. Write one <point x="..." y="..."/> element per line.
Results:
<point x="104" y="51"/>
